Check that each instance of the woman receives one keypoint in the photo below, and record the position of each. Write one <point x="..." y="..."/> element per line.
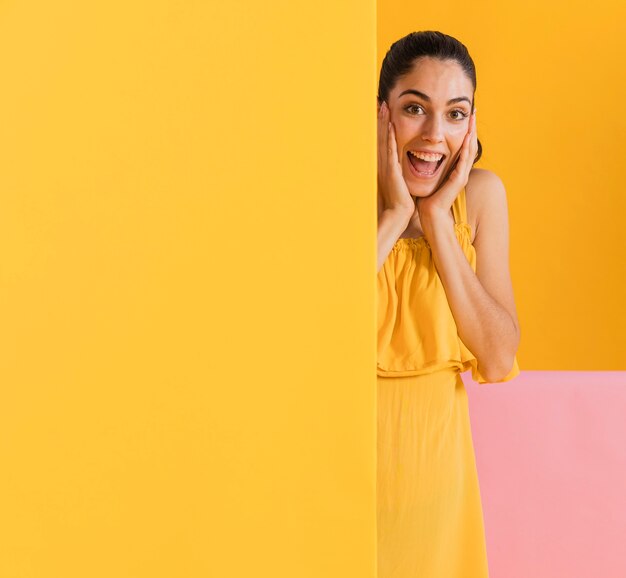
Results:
<point x="445" y="305"/>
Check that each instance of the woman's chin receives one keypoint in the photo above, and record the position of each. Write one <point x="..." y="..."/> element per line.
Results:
<point x="421" y="191"/>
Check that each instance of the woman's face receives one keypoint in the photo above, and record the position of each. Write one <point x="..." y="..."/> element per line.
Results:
<point x="434" y="118"/>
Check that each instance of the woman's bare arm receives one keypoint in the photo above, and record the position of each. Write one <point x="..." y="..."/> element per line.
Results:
<point x="391" y="224"/>
<point x="482" y="303"/>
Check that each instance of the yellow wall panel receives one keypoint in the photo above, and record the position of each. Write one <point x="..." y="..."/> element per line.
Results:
<point x="187" y="286"/>
<point x="550" y="79"/>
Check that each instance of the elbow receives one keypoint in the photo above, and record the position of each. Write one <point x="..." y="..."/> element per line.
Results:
<point x="498" y="367"/>
<point x="496" y="371"/>
<point x="494" y="376"/>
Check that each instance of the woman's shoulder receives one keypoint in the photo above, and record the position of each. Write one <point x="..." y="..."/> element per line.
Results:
<point x="478" y="173"/>
<point x="484" y="193"/>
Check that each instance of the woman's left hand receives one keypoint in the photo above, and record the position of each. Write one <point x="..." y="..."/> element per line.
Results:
<point x="439" y="202"/>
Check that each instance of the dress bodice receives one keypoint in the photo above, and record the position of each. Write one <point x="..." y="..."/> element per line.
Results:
<point x="417" y="332"/>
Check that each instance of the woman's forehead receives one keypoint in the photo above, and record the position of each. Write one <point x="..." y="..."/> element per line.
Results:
<point x="436" y="79"/>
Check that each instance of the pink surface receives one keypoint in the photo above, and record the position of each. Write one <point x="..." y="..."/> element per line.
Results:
<point x="551" y="456"/>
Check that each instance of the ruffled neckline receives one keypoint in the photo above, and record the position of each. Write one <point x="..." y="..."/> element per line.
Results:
<point x="462" y="228"/>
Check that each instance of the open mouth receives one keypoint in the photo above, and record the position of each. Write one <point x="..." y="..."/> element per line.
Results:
<point x="424" y="168"/>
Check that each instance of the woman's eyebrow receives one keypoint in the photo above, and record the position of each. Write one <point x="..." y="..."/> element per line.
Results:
<point x="427" y="98"/>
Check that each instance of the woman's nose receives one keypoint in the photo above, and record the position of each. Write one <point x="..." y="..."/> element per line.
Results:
<point x="432" y="129"/>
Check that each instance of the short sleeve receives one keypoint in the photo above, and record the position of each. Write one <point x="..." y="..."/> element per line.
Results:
<point x="476" y="375"/>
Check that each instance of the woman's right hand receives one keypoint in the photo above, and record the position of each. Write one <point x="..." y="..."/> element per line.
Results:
<point x="392" y="187"/>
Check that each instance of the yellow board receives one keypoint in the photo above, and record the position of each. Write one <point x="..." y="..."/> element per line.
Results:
<point x="187" y="289"/>
<point x="550" y="82"/>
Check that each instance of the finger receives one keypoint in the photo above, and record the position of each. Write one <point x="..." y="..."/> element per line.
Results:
<point x="464" y="165"/>
<point x="380" y="122"/>
<point x="474" y="139"/>
<point x="464" y="153"/>
<point x="385" y="121"/>
<point x="385" y="138"/>
<point x="392" y="151"/>
<point x="393" y="146"/>
<point x="472" y="148"/>
<point x="387" y="149"/>
<point x="382" y="138"/>
<point x="471" y="154"/>
<point x="472" y="130"/>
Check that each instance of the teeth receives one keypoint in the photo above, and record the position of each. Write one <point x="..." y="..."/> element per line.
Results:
<point x="427" y="156"/>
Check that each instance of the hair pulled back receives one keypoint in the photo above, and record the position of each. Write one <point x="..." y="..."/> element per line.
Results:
<point x="403" y="54"/>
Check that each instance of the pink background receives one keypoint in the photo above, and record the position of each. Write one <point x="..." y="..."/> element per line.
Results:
<point x="551" y="457"/>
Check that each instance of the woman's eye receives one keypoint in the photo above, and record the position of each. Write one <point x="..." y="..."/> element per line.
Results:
<point x="459" y="114"/>
<point x="412" y="108"/>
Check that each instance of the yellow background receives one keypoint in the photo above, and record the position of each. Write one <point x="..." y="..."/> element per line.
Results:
<point x="550" y="85"/>
<point x="187" y="285"/>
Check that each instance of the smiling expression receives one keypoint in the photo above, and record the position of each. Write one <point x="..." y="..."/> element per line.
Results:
<point x="430" y="109"/>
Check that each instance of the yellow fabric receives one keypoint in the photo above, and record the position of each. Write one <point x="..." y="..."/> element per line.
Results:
<point x="416" y="329"/>
<point x="429" y="511"/>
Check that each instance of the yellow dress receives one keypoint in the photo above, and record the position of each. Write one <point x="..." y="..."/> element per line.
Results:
<point x="429" y="510"/>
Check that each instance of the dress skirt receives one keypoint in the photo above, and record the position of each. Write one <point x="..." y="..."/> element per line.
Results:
<point x="429" y="512"/>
